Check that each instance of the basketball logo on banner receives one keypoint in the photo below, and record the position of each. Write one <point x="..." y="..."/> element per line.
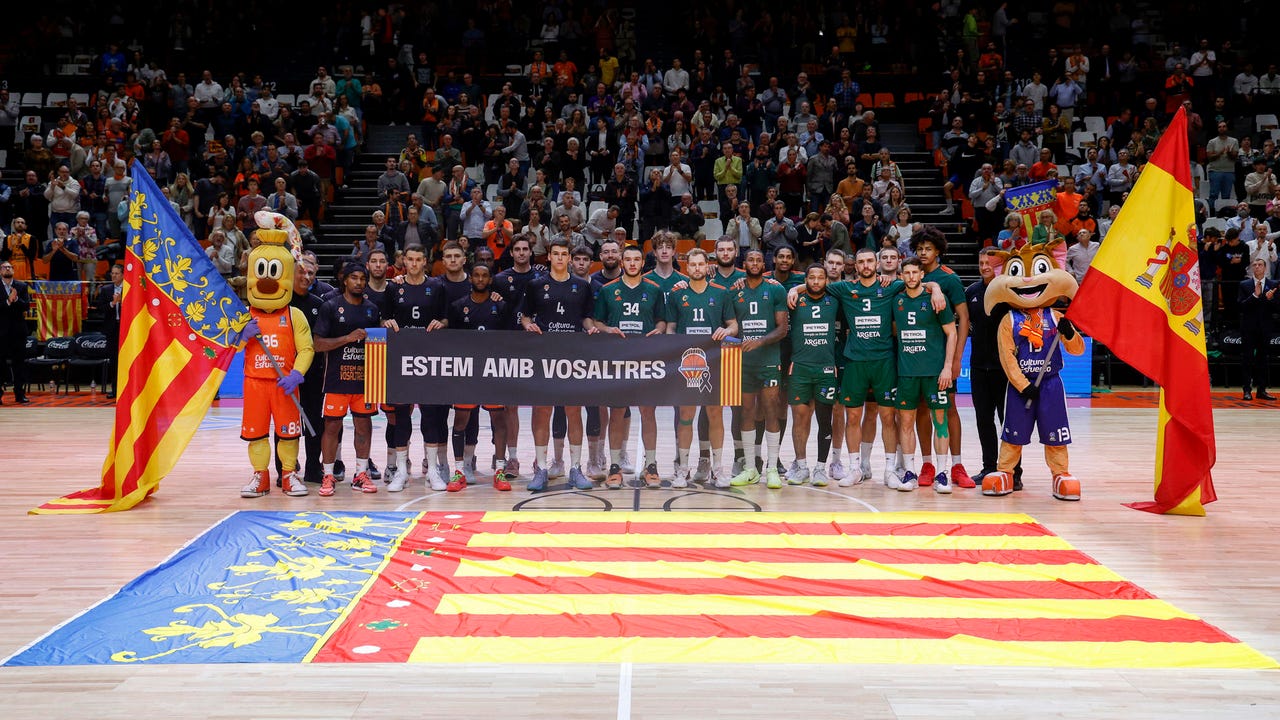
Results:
<point x="696" y="370"/>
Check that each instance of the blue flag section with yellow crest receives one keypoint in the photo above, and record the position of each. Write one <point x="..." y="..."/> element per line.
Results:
<point x="178" y="324"/>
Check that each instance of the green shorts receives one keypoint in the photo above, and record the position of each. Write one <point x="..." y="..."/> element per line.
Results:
<point x="757" y="377"/>
<point x="810" y="383"/>
<point x="877" y="377"/>
<point x="912" y="391"/>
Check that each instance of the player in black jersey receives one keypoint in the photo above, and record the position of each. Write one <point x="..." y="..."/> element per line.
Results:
<point x="457" y="285"/>
<point x="598" y="416"/>
<point x="414" y="301"/>
<point x="510" y="284"/>
<point x="340" y="332"/>
<point x="478" y="311"/>
<point x="558" y="302"/>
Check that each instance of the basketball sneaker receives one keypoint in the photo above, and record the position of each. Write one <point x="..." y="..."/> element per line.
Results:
<point x="339" y="471"/>
<point x="578" y="480"/>
<point x="326" y="485"/>
<point x="772" y="479"/>
<point x="909" y="482"/>
<point x="363" y="483"/>
<point x="718" y="478"/>
<point x="627" y="465"/>
<point x="512" y="470"/>
<point x="556" y="469"/>
<point x="838" y="473"/>
<point x="397" y="477"/>
<point x="613" y="480"/>
<point x="819" y="478"/>
<point x="595" y="470"/>
<point x="927" y="471"/>
<point x="942" y="484"/>
<point x="748" y="476"/>
<point x="651" y="477"/>
<point x="435" y="482"/>
<point x="538" y="482"/>
<point x="703" y="471"/>
<point x="681" y="478"/>
<point x="374" y="472"/>
<point x="960" y="477"/>
<point x="798" y="474"/>
<point x="500" y="481"/>
<point x="457" y="483"/>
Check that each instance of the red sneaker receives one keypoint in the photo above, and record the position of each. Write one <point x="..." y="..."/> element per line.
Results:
<point x="960" y="477"/>
<point x="363" y="483"/>
<point x="500" y="481"/>
<point x="259" y="485"/>
<point x="457" y="483"/>
<point x="927" y="471"/>
<point x="326" y="486"/>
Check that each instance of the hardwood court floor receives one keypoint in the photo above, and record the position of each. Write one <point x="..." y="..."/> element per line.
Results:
<point x="1222" y="568"/>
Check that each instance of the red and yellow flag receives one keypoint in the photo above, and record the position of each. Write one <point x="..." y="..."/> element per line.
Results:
<point x="1141" y="298"/>
<point x="178" y="324"/>
<point x="60" y="307"/>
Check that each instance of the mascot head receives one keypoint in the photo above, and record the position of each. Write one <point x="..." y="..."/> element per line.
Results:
<point x="1033" y="276"/>
<point x="271" y="263"/>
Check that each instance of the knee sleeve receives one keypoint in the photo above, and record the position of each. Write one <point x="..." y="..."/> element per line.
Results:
<point x="593" y="420"/>
<point x="559" y="423"/>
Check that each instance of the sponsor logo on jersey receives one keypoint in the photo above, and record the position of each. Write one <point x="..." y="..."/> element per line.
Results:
<point x="755" y="324"/>
<point x="811" y="328"/>
<point x="867" y="321"/>
<point x="918" y="335"/>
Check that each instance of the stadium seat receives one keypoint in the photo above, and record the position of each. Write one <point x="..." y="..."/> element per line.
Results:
<point x="884" y="100"/>
<point x="286" y="100"/>
<point x="1216" y="222"/>
<point x="1262" y="122"/>
<point x="89" y="350"/>
<point x="36" y="100"/>
<point x="710" y="209"/>
<point x="57" y="353"/>
<point x="56" y="100"/>
<point x="1095" y="124"/>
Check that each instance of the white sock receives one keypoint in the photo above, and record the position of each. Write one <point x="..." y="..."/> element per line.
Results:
<point x="864" y="453"/>
<point x="433" y="463"/>
<point x="500" y="464"/>
<point x="890" y="461"/>
<point x="615" y="456"/>
<point x="909" y="463"/>
<point x="926" y="459"/>
<point x="362" y="464"/>
<point x="772" y="445"/>
<point x="540" y="456"/>
<point x="402" y="459"/>
<point x="682" y="457"/>
<point x="748" y="445"/>
<point x="650" y="457"/>
<point x="391" y="457"/>
<point x="898" y="460"/>
<point x="328" y="468"/>
<point x="716" y="454"/>
<point x="575" y="456"/>
<point x="835" y="451"/>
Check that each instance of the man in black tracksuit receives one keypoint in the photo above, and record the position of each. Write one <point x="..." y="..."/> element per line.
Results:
<point x="986" y="378"/>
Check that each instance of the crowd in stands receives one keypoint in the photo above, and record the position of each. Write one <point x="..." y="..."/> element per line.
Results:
<point x="761" y="115"/>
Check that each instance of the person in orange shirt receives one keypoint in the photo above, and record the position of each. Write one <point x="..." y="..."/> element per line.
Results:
<point x="1064" y="206"/>
<point x="1044" y="167"/>
<point x="565" y="71"/>
<point x="498" y="232"/>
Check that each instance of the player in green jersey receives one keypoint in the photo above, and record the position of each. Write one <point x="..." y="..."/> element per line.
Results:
<point x="814" y="381"/>
<point x="703" y="308"/>
<point x="665" y="272"/>
<point x="930" y="245"/>
<point x="835" y="263"/>
<point x="926" y="353"/>
<point x="784" y="262"/>
<point x="632" y="306"/>
<point x="761" y="310"/>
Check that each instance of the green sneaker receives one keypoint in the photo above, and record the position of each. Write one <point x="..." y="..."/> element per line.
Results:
<point x="772" y="478"/>
<point x="749" y="476"/>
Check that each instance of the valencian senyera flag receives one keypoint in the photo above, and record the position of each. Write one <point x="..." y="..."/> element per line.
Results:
<point x="1029" y="200"/>
<point x="1141" y="298"/>
<point x="178" y="325"/>
<point x="60" y="307"/>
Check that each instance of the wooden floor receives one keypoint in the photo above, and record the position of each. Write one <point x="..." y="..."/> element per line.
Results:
<point x="1223" y="568"/>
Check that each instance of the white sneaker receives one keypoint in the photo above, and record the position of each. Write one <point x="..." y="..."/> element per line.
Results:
<point x="719" y="478"/>
<point x="627" y="465"/>
<point x="866" y="472"/>
<point x="435" y="482"/>
<point x="555" y="469"/>
<point x="397" y="480"/>
<point x="681" y="478"/>
<point x="703" y="471"/>
<point x="837" y="472"/>
<point x="594" y="471"/>
<point x="891" y="476"/>
<point x="819" y="478"/>
<point x="798" y="474"/>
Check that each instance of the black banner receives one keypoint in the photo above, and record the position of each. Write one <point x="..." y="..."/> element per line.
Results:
<point x="449" y="367"/>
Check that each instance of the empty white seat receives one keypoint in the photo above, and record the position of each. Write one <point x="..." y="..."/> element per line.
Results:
<point x="710" y="209"/>
<point x="56" y="100"/>
<point x="1095" y="124"/>
<point x="287" y="100"/>
<point x="1262" y="122"/>
<point x="35" y="99"/>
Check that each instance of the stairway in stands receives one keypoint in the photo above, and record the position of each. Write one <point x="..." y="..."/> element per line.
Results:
<point x="924" y="195"/>
<point x="351" y="210"/>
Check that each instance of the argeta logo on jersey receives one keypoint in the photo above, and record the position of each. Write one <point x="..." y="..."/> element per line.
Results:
<point x="695" y="369"/>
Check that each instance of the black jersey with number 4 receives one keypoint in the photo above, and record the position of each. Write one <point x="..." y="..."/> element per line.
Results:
<point x="467" y="314"/>
<point x="558" y="306"/>
<point x="414" y="305"/>
<point x="344" y="365"/>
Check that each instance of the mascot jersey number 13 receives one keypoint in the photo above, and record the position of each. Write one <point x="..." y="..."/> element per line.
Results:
<point x="1030" y="280"/>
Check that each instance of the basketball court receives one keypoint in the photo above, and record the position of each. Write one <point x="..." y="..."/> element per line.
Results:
<point x="801" y="602"/>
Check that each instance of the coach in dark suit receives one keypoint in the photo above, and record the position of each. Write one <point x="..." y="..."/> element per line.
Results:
<point x="1257" y="300"/>
<point x="14" y="301"/>
<point x="107" y="301"/>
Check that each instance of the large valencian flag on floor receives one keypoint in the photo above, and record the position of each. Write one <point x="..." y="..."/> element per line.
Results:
<point x="696" y="587"/>
<point x="178" y="321"/>
<point x="1141" y="298"/>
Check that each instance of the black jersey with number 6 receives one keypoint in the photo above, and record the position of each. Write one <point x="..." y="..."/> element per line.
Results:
<point x="414" y="305"/>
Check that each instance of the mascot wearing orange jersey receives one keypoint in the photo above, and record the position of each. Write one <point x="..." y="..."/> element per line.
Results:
<point x="277" y="355"/>
<point x="1030" y="280"/>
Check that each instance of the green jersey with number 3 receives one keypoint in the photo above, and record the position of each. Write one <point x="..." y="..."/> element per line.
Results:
<point x="922" y="344"/>
<point x="868" y="312"/>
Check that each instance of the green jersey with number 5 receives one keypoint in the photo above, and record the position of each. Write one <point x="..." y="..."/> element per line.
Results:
<point x="922" y="344"/>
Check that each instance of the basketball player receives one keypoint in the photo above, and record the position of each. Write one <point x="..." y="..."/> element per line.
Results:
<point x="813" y="377"/>
<point x="763" y="319"/>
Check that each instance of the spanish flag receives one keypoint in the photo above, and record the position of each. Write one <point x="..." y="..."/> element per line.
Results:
<point x="1141" y="298"/>
<point x="178" y="324"/>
